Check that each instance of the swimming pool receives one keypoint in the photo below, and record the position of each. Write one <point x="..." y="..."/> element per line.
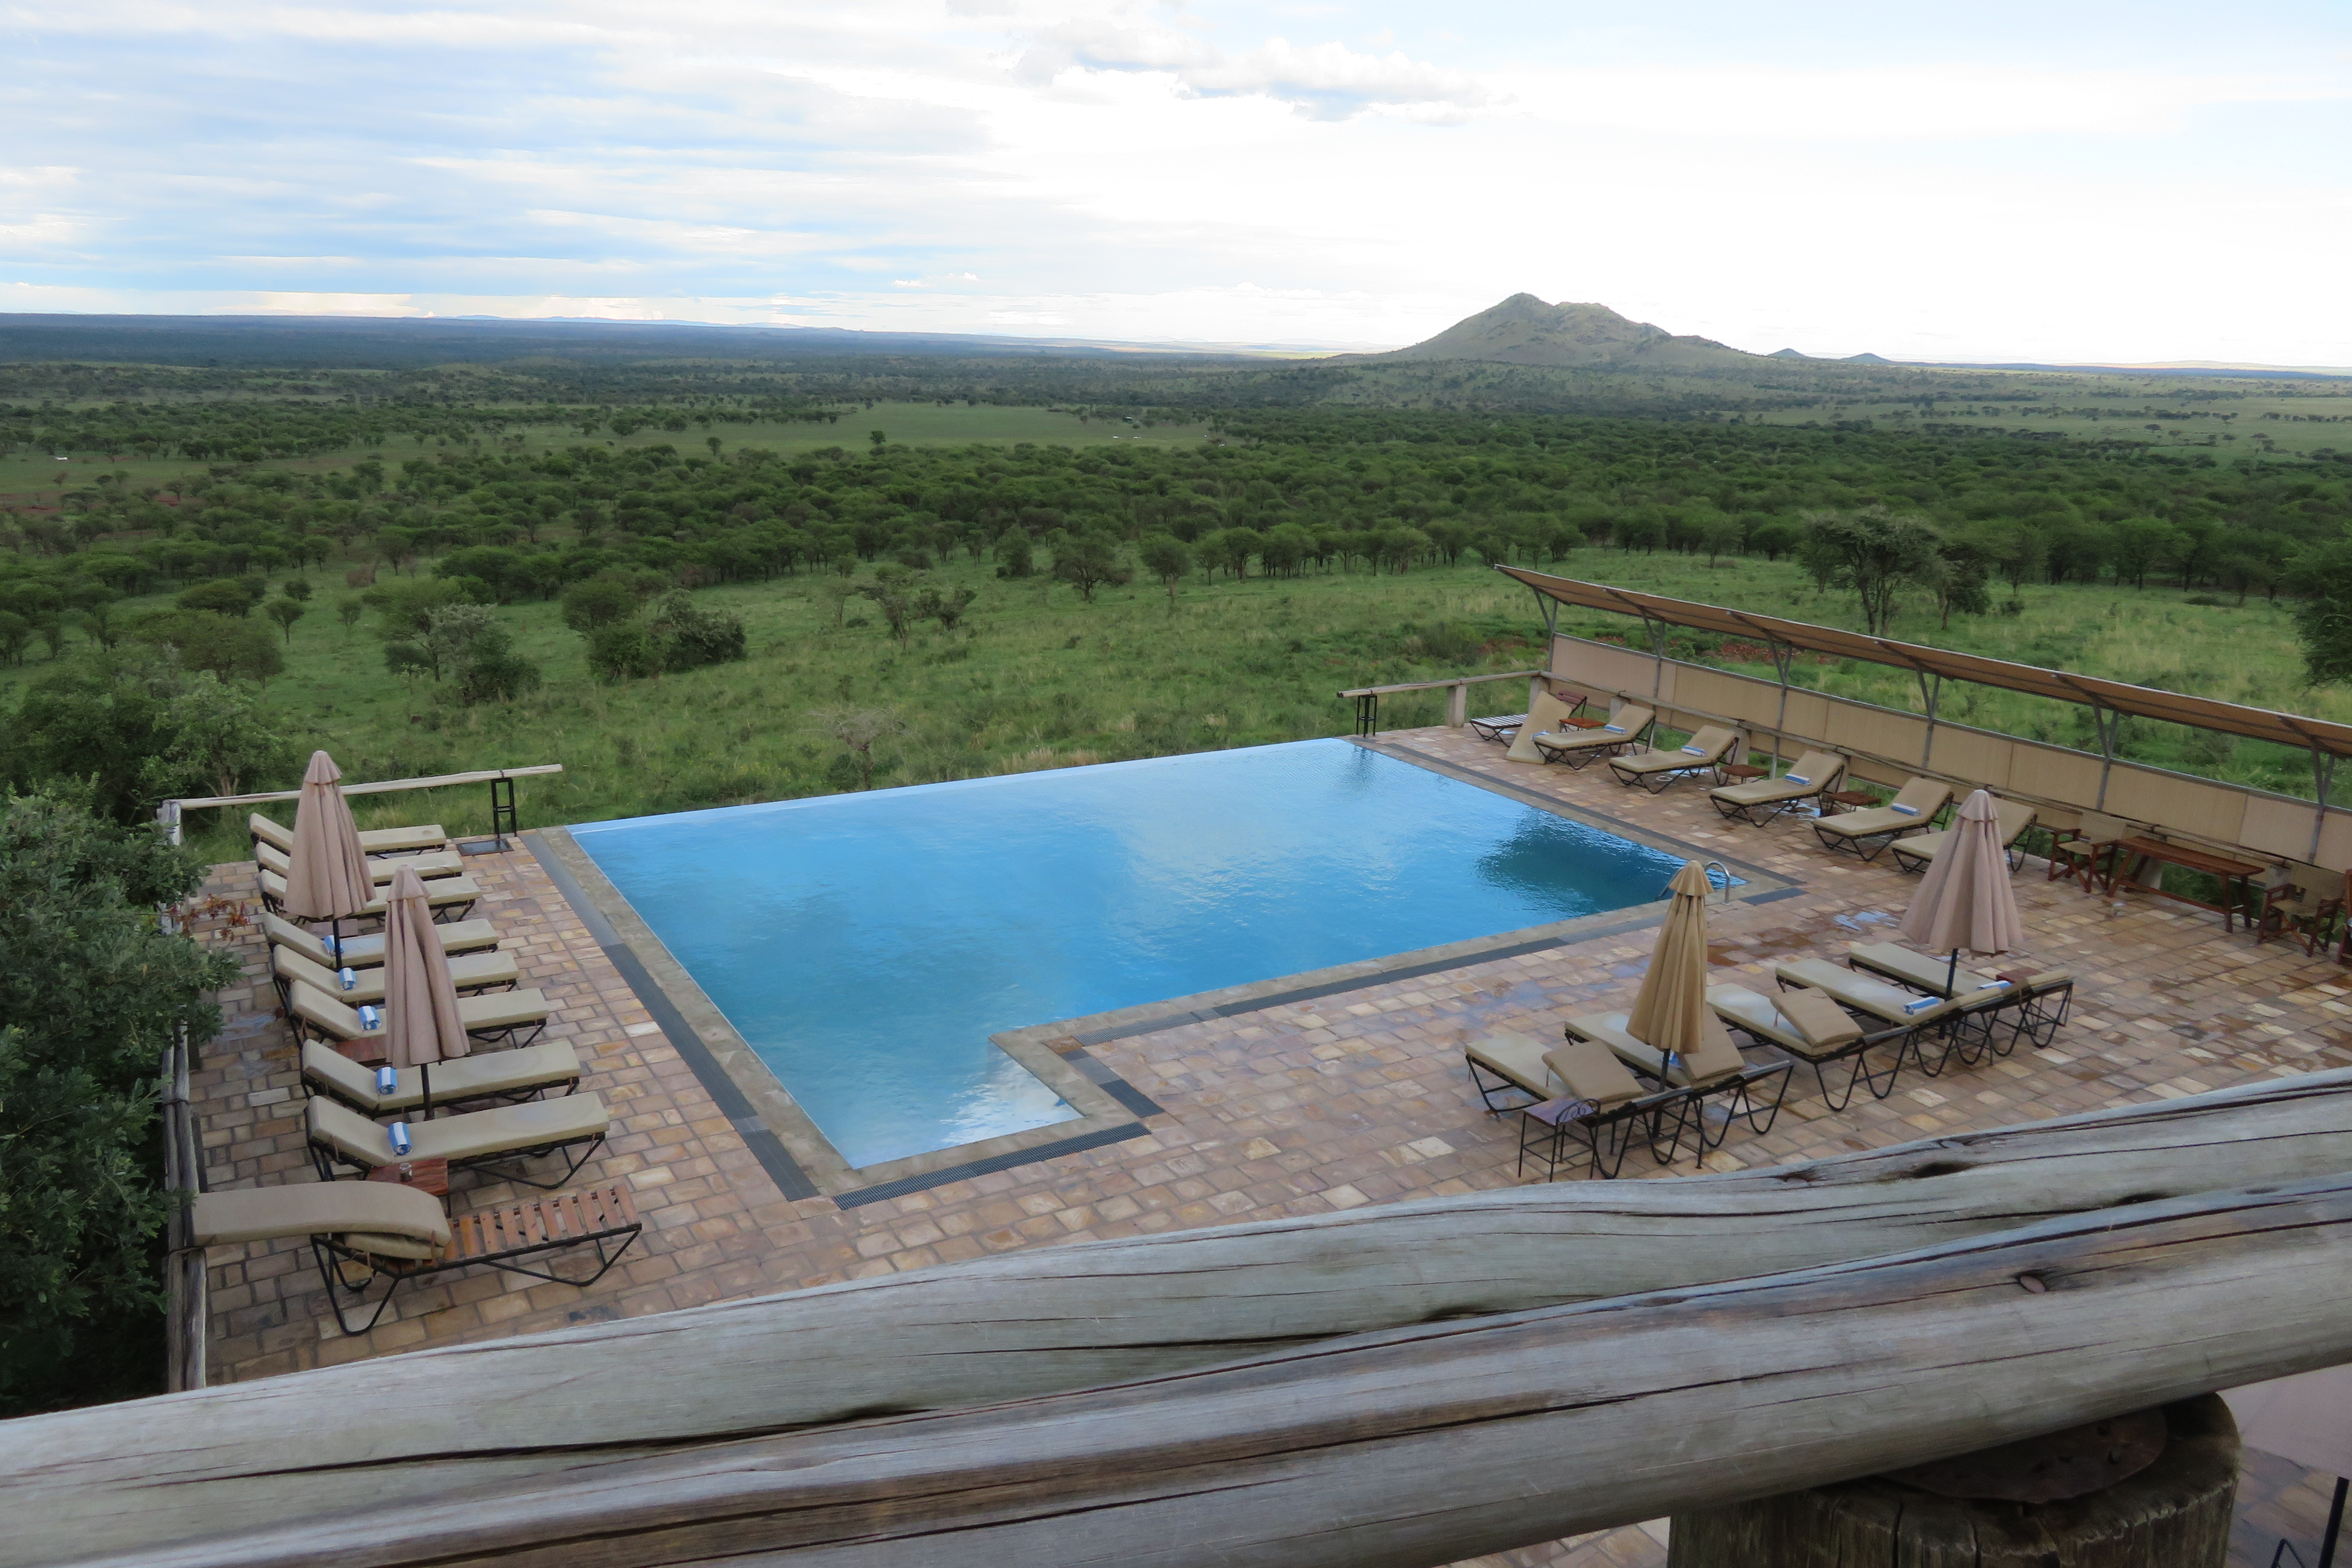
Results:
<point x="866" y="946"/>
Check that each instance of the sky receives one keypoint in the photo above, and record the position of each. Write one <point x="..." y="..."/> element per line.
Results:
<point x="2056" y="182"/>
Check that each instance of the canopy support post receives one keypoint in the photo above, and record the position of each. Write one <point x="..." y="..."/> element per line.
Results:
<point x="2105" y="719"/>
<point x="1657" y="630"/>
<point x="1931" y="691"/>
<point x="1784" y="657"/>
<point x="2323" y="775"/>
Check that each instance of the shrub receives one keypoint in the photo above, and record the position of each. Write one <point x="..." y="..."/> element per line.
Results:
<point x="221" y="596"/>
<point x="489" y="670"/>
<point x="686" y="636"/>
<point x="231" y="649"/>
<point x="620" y="650"/>
<point x="598" y="602"/>
<point x="80" y="1199"/>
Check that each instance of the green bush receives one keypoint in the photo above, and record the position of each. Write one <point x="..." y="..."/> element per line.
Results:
<point x="231" y="649"/>
<point x="620" y="650"/>
<point x="686" y="636"/>
<point x="91" y="991"/>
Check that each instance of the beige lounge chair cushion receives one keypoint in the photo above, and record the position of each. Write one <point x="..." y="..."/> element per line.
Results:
<point x="439" y="892"/>
<point x="1592" y="1071"/>
<point x="500" y="1010"/>
<point x="469" y="973"/>
<point x="380" y="869"/>
<point x="373" y="841"/>
<point x="1823" y="1022"/>
<point x="1628" y="721"/>
<point x="1703" y="749"/>
<point x="367" y="952"/>
<point x="400" y="1220"/>
<point x="1923" y="970"/>
<point x="1811" y="773"/>
<point x="1519" y="1058"/>
<point x="1915" y="806"/>
<point x="1877" y="997"/>
<point x="475" y="1135"/>
<point x="1715" y="1057"/>
<point x="541" y="1066"/>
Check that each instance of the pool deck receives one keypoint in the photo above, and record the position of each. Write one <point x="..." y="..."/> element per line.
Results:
<point x="1293" y="1107"/>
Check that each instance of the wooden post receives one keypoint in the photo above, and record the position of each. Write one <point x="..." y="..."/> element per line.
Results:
<point x="2176" y="1513"/>
<point x="1457" y="705"/>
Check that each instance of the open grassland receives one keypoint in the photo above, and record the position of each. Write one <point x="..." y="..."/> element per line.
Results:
<point x="1038" y="678"/>
<point x="2234" y="421"/>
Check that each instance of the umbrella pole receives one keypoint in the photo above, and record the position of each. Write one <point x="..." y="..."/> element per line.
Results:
<point x="1951" y="970"/>
<point x="424" y="1081"/>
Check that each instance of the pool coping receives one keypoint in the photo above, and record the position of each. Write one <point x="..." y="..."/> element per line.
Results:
<point x="1762" y="887"/>
<point x="796" y="1154"/>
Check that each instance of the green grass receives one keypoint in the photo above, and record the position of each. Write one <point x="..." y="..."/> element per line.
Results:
<point x="2228" y="421"/>
<point x="1037" y="678"/>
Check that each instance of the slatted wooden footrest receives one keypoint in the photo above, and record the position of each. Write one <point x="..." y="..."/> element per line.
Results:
<point x="558" y="1219"/>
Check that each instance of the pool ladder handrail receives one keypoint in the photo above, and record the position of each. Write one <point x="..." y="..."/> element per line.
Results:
<point x="1710" y="868"/>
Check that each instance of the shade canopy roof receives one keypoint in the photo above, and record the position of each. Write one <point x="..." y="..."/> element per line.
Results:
<point x="2116" y="696"/>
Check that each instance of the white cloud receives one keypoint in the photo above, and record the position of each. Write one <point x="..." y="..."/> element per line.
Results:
<point x="1120" y="168"/>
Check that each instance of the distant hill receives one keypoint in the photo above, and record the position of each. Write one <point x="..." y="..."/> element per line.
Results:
<point x="1523" y="330"/>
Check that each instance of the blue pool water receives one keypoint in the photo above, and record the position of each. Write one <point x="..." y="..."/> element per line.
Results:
<point x="866" y="945"/>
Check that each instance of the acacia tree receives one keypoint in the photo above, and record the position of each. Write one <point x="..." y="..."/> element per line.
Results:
<point x="1165" y="557"/>
<point x="1872" y="554"/>
<point x="859" y="729"/>
<point x="1088" y="563"/>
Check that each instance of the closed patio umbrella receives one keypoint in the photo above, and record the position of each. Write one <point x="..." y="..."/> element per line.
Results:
<point x="1967" y="899"/>
<point x="1671" y="1011"/>
<point x="420" y="1024"/>
<point x="327" y="873"/>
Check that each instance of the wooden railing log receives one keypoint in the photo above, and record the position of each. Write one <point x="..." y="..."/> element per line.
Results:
<point x="119" y="1478"/>
<point x="1427" y="1445"/>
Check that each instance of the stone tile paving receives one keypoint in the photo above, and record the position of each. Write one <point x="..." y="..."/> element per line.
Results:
<point x="1353" y="1098"/>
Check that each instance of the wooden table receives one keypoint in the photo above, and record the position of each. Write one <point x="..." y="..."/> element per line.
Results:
<point x="1575" y="722"/>
<point x="1849" y="799"/>
<point x="2132" y="851"/>
<point x="424" y="1175"/>
<point x="1740" y="772"/>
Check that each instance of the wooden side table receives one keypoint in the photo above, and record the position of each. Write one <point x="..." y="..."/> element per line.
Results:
<point x="1740" y="772"/>
<point x="424" y="1175"/>
<point x="1581" y="721"/>
<point x="1849" y="799"/>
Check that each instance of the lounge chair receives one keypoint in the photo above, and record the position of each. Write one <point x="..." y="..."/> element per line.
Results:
<point x="1578" y="747"/>
<point x="382" y="868"/>
<point x="1715" y="1071"/>
<point x="2015" y="817"/>
<point x="1966" y="1025"/>
<point x="1873" y="828"/>
<point x="1820" y="1037"/>
<point x="1504" y="726"/>
<point x="526" y="1073"/>
<point x="2040" y="1000"/>
<point x="386" y="1230"/>
<point x="341" y="1137"/>
<point x="374" y="841"/>
<point x="367" y="952"/>
<point x="1924" y="973"/>
<point x="1814" y="774"/>
<point x="1702" y="753"/>
<point x="452" y="898"/>
<point x="474" y="971"/>
<point x="503" y="1017"/>
<point x="1575" y="1089"/>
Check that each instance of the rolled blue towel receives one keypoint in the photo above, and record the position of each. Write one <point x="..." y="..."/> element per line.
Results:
<point x="371" y="1018"/>
<point x="400" y="1143"/>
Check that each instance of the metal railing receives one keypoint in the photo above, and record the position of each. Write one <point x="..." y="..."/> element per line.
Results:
<point x="185" y="1279"/>
<point x="504" y="818"/>
<point x="1457" y="699"/>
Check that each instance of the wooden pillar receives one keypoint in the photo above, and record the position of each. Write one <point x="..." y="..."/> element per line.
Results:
<point x="2174" y="1513"/>
<point x="1457" y="705"/>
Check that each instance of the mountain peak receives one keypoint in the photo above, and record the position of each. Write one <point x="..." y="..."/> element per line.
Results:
<point x="1525" y="329"/>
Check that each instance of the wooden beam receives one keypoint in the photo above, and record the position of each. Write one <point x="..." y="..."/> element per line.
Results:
<point x="1038" y="1321"/>
<point x="1424" y="1446"/>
